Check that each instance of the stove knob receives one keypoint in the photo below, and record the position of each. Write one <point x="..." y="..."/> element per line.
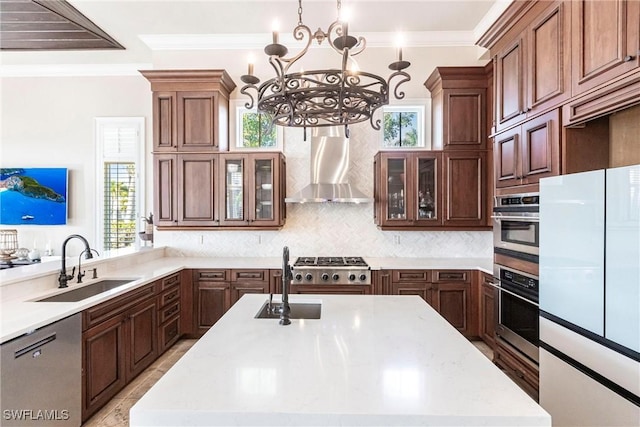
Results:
<point x="335" y="277"/>
<point x="363" y="277"/>
<point x="324" y="277"/>
<point x="308" y="277"/>
<point x="352" y="277"/>
<point x="298" y="277"/>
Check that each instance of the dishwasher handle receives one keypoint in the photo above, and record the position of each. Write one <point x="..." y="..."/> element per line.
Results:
<point x="44" y="341"/>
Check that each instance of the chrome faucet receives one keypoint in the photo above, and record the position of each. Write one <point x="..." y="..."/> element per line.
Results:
<point x="63" y="278"/>
<point x="287" y="275"/>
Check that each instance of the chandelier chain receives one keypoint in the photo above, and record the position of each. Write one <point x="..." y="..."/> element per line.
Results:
<point x="299" y="12"/>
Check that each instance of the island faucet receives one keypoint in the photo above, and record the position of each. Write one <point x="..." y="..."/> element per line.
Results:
<point x="287" y="275"/>
<point x="63" y="278"/>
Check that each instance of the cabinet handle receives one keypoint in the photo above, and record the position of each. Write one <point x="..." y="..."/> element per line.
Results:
<point x="519" y="373"/>
<point x="629" y="58"/>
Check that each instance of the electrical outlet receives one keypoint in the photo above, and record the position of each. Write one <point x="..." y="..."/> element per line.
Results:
<point x="259" y="239"/>
<point x="202" y="239"/>
<point x="396" y="239"/>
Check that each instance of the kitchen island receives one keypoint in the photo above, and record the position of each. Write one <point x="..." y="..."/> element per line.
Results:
<point x="369" y="360"/>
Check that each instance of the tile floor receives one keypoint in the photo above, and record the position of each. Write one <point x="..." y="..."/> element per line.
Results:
<point x="116" y="412"/>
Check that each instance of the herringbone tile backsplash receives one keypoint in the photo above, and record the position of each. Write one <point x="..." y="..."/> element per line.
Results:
<point x="330" y="229"/>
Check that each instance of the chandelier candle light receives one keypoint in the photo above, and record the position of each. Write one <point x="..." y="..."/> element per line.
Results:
<point x="317" y="98"/>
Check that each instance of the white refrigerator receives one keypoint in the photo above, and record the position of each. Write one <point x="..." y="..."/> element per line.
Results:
<point x="590" y="297"/>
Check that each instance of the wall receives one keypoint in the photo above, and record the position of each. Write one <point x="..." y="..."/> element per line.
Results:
<point x="48" y="121"/>
<point x="624" y="149"/>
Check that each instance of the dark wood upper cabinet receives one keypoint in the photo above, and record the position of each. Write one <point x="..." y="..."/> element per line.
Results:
<point x="606" y="41"/>
<point x="190" y="110"/>
<point x="533" y="64"/>
<point x="528" y="152"/>
<point x="196" y="190"/>
<point x="421" y="189"/>
<point x="465" y="188"/>
<point x="458" y="107"/>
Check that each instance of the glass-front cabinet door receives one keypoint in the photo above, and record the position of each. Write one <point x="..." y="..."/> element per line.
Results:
<point x="407" y="189"/>
<point x="251" y="193"/>
<point x="425" y="197"/>
<point x="234" y="195"/>
<point x="264" y="203"/>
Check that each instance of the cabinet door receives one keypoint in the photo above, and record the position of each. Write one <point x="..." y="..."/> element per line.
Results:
<point x="214" y="299"/>
<point x="464" y="118"/>
<point x="264" y="200"/>
<point x="103" y="364"/>
<point x="142" y="333"/>
<point x="540" y="147"/>
<point x="165" y="185"/>
<point x="164" y="121"/>
<point x="422" y="289"/>
<point x="234" y="199"/>
<point x="605" y="42"/>
<point x="510" y="84"/>
<point x="549" y="42"/>
<point x="197" y="201"/>
<point x="453" y="302"/>
<point x="394" y="169"/>
<point x="506" y="154"/>
<point x="240" y="289"/>
<point x="424" y="190"/>
<point x="465" y="188"/>
<point x="197" y="121"/>
<point x="488" y="313"/>
<point x="275" y="281"/>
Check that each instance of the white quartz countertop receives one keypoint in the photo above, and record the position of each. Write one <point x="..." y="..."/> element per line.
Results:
<point x="21" y="315"/>
<point x="369" y="360"/>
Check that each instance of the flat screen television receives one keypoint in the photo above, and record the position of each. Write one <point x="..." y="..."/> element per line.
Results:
<point x="33" y="196"/>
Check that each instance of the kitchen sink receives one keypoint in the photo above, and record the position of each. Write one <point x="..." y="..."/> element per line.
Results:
<point x="299" y="310"/>
<point x="84" y="292"/>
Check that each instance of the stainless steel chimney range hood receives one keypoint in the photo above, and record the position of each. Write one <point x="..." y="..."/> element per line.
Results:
<point x="329" y="167"/>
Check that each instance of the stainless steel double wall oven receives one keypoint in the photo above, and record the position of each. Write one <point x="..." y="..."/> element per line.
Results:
<point x="516" y="232"/>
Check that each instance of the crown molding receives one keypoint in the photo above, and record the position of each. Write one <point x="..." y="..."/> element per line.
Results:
<point x="77" y="70"/>
<point x="157" y="42"/>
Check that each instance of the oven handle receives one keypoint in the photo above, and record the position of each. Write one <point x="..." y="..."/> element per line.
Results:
<point x="512" y="293"/>
<point x="516" y="218"/>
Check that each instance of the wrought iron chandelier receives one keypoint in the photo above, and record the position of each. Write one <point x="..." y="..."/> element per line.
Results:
<point x="322" y="97"/>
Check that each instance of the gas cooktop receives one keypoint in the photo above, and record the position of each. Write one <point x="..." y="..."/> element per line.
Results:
<point x="351" y="261"/>
<point x="331" y="271"/>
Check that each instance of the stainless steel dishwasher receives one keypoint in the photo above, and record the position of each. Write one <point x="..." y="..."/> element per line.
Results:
<point x="41" y="376"/>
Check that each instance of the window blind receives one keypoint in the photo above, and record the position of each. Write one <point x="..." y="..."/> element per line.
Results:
<point x="120" y="147"/>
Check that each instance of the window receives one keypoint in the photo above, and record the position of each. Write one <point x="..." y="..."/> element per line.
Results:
<point x="120" y="165"/>
<point x="254" y="130"/>
<point x="403" y="126"/>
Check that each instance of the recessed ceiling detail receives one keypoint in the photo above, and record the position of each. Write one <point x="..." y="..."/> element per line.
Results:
<point x="49" y="25"/>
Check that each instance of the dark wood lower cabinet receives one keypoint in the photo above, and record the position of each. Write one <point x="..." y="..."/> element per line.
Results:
<point x="104" y="364"/>
<point x="141" y="329"/>
<point x="214" y="299"/>
<point x="488" y="311"/>
<point x="422" y="289"/>
<point x="453" y="302"/>
<point x="117" y="350"/>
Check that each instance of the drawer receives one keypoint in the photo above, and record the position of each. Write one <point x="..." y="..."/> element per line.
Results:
<point x="211" y="275"/>
<point x="170" y="281"/>
<point x="101" y="312"/>
<point x="169" y="311"/>
<point x="169" y="334"/>
<point x="168" y="296"/>
<point x="458" y="276"/>
<point x="518" y="371"/>
<point x="250" y="276"/>
<point x="411" y="276"/>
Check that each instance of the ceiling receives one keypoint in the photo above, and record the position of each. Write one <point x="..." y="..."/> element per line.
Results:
<point x="143" y="27"/>
<point x="126" y="20"/>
